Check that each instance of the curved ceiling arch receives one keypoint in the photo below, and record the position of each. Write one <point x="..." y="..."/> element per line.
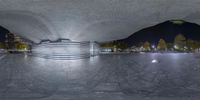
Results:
<point x="28" y="25"/>
<point x="96" y="20"/>
<point x="106" y="29"/>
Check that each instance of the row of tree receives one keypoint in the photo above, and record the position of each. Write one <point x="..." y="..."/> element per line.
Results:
<point x="180" y="44"/>
<point x="17" y="45"/>
<point x="115" y="44"/>
<point x="13" y="42"/>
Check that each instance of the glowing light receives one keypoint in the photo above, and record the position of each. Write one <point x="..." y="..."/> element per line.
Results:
<point x="175" y="47"/>
<point x="154" y="61"/>
<point x="185" y="47"/>
<point x="153" y="46"/>
<point x="65" y="50"/>
<point x="179" y="22"/>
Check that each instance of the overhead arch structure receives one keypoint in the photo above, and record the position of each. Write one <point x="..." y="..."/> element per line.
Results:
<point x="90" y="20"/>
<point x="27" y="25"/>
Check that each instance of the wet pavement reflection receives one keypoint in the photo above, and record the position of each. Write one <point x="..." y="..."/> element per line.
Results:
<point x="103" y="77"/>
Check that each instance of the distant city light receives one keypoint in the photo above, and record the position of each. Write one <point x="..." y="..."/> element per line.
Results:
<point x="175" y="47"/>
<point x="153" y="46"/>
<point x="185" y="47"/>
<point x="178" y="22"/>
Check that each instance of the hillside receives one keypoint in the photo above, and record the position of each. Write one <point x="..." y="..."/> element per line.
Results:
<point x="3" y="31"/>
<point x="166" y="30"/>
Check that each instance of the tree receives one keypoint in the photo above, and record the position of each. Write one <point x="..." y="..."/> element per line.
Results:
<point x="190" y="44"/>
<point x="170" y="46"/>
<point x="21" y="46"/>
<point x="115" y="45"/>
<point x="107" y="45"/>
<point x="146" y="46"/>
<point x="162" y="45"/>
<point x="180" y="42"/>
<point x="196" y="44"/>
<point x="122" y="45"/>
<point x="2" y="45"/>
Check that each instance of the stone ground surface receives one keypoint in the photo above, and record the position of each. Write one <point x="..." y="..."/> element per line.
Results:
<point x="104" y="77"/>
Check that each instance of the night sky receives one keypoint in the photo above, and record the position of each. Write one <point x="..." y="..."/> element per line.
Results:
<point x="166" y="30"/>
<point x="3" y="31"/>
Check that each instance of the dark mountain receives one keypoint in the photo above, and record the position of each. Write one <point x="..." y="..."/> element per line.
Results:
<point x="3" y="32"/>
<point x="166" y="30"/>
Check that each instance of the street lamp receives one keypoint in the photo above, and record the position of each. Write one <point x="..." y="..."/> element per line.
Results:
<point x="153" y="46"/>
<point x="175" y="47"/>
